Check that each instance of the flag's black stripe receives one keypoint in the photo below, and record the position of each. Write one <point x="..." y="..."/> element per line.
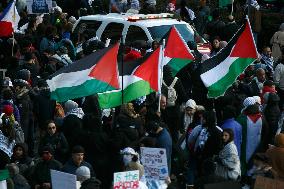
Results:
<point x="223" y="54"/>
<point x="84" y="63"/>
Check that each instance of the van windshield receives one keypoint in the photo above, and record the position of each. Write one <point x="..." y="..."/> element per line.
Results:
<point x="159" y="32"/>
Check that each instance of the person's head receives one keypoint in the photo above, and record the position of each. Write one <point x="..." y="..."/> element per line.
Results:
<point x="223" y="44"/>
<point x="229" y="112"/>
<point x="260" y="75"/>
<point x="216" y="43"/>
<point x="129" y="155"/>
<point x="163" y="102"/>
<point x="267" y="51"/>
<point x="78" y="153"/>
<point x="228" y="135"/>
<point x="70" y="105"/>
<point x="7" y="94"/>
<point x="83" y="173"/>
<point x="209" y="119"/>
<point x="190" y="107"/>
<point x="47" y="153"/>
<point x="128" y="109"/>
<point x="7" y="127"/>
<point x="20" y="150"/>
<point x="281" y="27"/>
<point x="153" y="127"/>
<point x="155" y="45"/>
<point x="231" y="18"/>
<point x="51" y="127"/>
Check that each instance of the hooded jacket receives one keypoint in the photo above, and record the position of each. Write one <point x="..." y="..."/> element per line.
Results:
<point x="276" y="155"/>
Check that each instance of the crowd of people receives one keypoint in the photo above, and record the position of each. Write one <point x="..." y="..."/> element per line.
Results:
<point x="236" y="137"/>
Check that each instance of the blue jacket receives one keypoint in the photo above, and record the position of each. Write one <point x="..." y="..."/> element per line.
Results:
<point x="71" y="168"/>
<point x="164" y="140"/>
<point x="237" y="129"/>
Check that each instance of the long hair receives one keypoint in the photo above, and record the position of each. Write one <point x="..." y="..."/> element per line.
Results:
<point x="231" y="134"/>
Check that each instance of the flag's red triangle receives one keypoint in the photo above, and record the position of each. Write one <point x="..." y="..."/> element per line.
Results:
<point x="245" y="46"/>
<point x="106" y="69"/>
<point x="149" y="70"/>
<point x="176" y="47"/>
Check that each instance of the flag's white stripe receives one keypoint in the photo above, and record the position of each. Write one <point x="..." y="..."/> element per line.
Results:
<point x="69" y="79"/>
<point x="212" y="76"/>
<point x="165" y="60"/>
<point x="12" y="16"/>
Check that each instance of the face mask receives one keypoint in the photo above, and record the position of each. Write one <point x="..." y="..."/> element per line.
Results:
<point x="127" y="159"/>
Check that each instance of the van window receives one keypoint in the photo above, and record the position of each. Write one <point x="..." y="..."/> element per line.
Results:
<point x="160" y="32"/>
<point x="135" y="33"/>
<point x="112" y="31"/>
<point x="88" y="26"/>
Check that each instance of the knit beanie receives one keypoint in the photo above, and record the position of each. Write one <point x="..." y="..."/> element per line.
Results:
<point x="69" y="105"/>
<point x="8" y="110"/>
<point x="83" y="171"/>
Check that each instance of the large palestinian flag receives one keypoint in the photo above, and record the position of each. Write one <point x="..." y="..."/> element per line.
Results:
<point x="95" y="73"/>
<point x="219" y="72"/>
<point x="140" y="78"/>
<point x="176" y="54"/>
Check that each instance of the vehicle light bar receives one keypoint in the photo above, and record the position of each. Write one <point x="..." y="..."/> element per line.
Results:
<point x="134" y="18"/>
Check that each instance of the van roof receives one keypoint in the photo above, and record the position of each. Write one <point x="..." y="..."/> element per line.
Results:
<point x="137" y="19"/>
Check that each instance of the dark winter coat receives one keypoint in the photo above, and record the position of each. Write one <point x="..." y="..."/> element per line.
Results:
<point x="42" y="171"/>
<point x="25" y="161"/>
<point x="71" y="168"/>
<point x="59" y="144"/>
<point x="213" y="145"/>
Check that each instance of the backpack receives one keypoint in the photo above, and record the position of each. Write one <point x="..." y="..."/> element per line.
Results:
<point x="172" y="94"/>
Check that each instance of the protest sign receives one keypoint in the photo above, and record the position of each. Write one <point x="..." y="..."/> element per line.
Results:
<point x="126" y="180"/>
<point x="61" y="180"/>
<point x="39" y="6"/>
<point x="154" y="161"/>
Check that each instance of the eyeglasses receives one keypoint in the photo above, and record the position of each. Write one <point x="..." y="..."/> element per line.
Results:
<point x="51" y="128"/>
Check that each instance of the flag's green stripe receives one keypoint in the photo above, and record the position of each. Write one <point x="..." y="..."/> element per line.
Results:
<point x="4" y="174"/>
<point x="131" y="92"/>
<point x="177" y="64"/>
<point x="87" y="88"/>
<point x="238" y="66"/>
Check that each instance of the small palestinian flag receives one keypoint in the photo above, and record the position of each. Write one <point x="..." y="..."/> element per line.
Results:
<point x="177" y="54"/>
<point x="220" y="72"/>
<point x="140" y="78"/>
<point x="92" y="74"/>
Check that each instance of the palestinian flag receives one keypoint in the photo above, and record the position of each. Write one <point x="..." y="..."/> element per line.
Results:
<point x="219" y="72"/>
<point x="176" y="54"/>
<point x="92" y="74"/>
<point x="140" y="78"/>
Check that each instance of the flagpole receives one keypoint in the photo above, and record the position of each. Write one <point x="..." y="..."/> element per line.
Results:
<point x="122" y="68"/>
<point x="232" y="10"/>
<point x="14" y="15"/>
<point x="161" y="79"/>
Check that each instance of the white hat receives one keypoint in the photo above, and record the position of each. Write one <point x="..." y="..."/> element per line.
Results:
<point x="83" y="171"/>
<point x="191" y="104"/>
<point x="128" y="150"/>
<point x="257" y="99"/>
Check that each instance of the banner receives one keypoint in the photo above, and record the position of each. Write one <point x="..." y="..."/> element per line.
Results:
<point x="126" y="180"/>
<point x="155" y="164"/>
<point x="39" y="6"/>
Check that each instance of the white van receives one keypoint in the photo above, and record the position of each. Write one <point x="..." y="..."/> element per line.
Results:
<point x="133" y="27"/>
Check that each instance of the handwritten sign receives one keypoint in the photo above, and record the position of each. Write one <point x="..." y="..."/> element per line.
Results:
<point x="154" y="161"/>
<point x="126" y="180"/>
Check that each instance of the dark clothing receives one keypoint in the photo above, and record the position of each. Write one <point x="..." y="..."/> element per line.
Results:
<point x="214" y="143"/>
<point x="42" y="171"/>
<point x="71" y="168"/>
<point x="215" y="28"/>
<point x="164" y="140"/>
<point x="229" y="31"/>
<point x="253" y="89"/>
<point x="72" y="128"/>
<point x="33" y="68"/>
<point x="44" y="107"/>
<point x="27" y="123"/>
<point x="59" y="144"/>
<point x="24" y="162"/>
<point x="20" y="182"/>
